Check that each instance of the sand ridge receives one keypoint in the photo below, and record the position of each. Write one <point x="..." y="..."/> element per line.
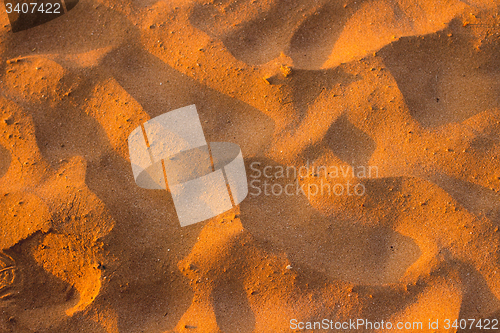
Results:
<point x="408" y="87"/>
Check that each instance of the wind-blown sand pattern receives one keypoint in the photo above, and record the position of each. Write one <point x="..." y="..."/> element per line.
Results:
<point x="408" y="87"/>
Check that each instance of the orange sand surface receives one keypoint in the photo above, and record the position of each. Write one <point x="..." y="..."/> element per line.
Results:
<point x="409" y="88"/>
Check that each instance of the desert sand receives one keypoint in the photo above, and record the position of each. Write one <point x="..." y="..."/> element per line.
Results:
<point x="408" y="88"/>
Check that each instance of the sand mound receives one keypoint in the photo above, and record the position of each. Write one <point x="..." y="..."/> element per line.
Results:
<point x="396" y="99"/>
